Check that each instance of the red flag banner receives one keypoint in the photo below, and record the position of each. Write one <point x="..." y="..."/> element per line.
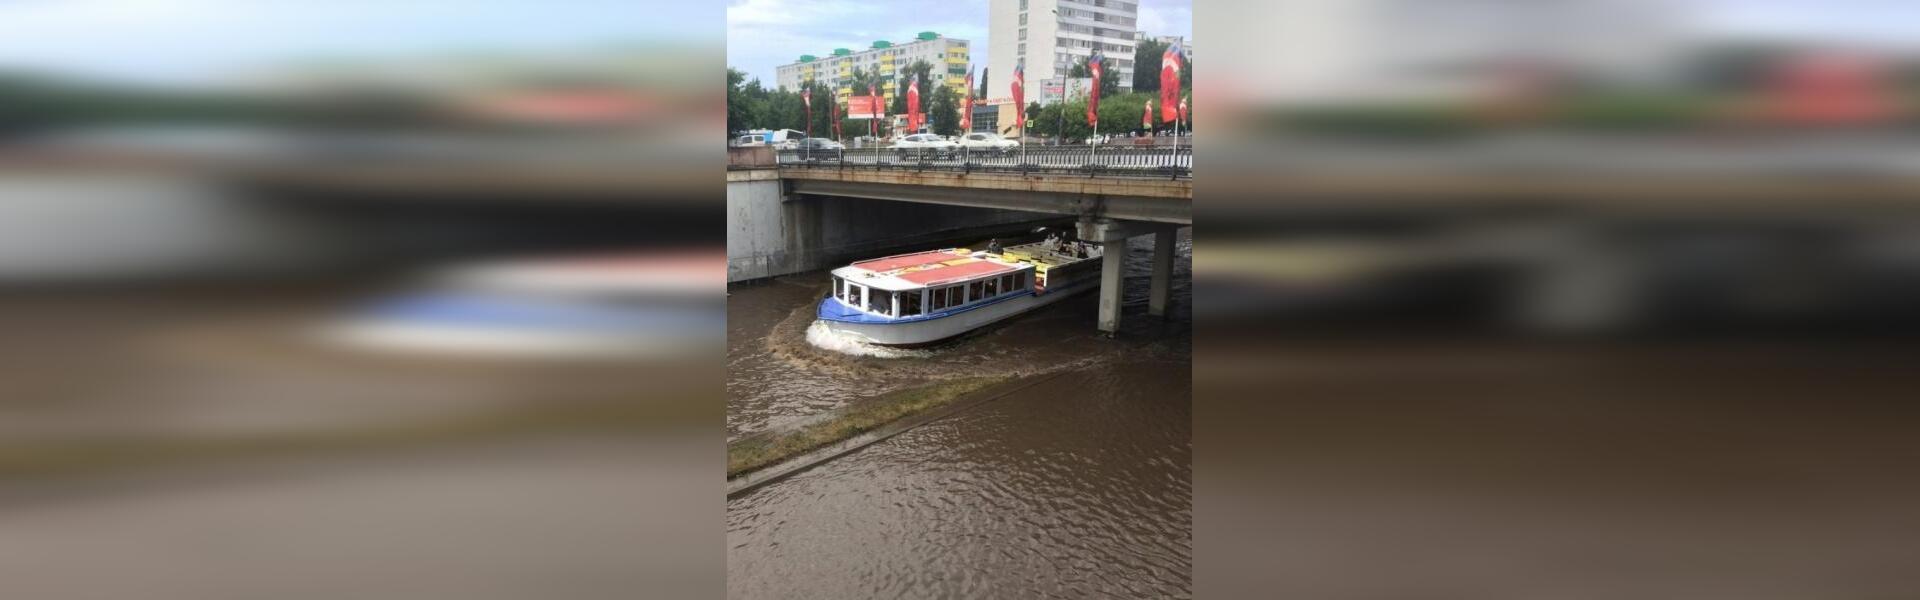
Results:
<point x="879" y="108"/>
<point x="966" y="105"/>
<point x="913" y="106"/>
<point x="1170" y="64"/>
<point x="1094" y="67"/>
<point x="1020" y="96"/>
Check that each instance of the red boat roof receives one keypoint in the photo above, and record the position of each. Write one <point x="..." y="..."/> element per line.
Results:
<point x="882" y="265"/>
<point x="955" y="272"/>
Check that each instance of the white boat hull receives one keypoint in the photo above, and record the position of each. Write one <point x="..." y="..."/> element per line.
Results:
<point x="927" y="331"/>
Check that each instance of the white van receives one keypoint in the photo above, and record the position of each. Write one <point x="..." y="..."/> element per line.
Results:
<point x="784" y="139"/>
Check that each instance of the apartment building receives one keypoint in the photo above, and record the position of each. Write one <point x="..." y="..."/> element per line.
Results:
<point x="1050" y="36"/>
<point x="948" y="56"/>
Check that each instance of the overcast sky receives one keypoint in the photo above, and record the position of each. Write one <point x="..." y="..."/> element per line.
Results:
<point x="763" y="34"/>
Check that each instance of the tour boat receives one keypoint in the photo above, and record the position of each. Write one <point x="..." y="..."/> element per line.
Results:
<point x="925" y="297"/>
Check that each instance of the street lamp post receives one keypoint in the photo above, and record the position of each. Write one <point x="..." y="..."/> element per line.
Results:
<point x="1060" y="124"/>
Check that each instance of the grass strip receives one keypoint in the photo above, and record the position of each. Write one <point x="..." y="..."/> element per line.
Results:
<point x="759" y="451"/>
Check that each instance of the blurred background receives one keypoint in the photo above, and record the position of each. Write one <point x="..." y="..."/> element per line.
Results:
<point x="360" y="299"/>
<point x="1498" y="298"/>
<point x="1557" y="298"/>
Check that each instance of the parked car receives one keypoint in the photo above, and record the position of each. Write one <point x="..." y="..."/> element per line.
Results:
<point x="820" y="144"/>
<point x="750" y="140"/>
<point x="988" y="142"/>
<point x="922" y="144"/>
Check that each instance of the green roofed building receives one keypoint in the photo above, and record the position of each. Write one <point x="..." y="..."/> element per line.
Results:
<point x="950" y="58"/>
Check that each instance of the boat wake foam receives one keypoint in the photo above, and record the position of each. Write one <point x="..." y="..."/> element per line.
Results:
<point x="826" y="338"/>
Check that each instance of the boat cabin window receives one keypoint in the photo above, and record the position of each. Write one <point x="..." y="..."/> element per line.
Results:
<point x="937" y="298"/>
<point x="1020" y="280"/>
<point x="909" y="303"/>
<point x="855" y="295"/>
<point x="992" y="287"/>
<point x="956" y="295"/>
<point x="839" y="288"/>
<point x="973" y="292"/>
<point x="880" y="301"/>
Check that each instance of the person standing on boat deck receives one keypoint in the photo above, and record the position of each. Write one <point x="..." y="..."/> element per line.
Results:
<point x="993" y="246"/>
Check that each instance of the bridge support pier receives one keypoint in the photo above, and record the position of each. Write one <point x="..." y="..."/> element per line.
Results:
<point x="1112" y="236"/>
<point x="1111" y="262"/>
<point x="1162" y="287"/>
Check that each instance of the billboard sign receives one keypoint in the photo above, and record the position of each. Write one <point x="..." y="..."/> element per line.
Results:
<point x="862" y="107"/>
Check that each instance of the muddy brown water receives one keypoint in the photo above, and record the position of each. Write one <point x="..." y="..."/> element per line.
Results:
<point x="1077" y="485"/>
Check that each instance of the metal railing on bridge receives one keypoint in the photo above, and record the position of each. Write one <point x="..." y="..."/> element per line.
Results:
<point x="1104" y="160"/>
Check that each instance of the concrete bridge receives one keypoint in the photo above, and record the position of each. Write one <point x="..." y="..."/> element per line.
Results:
<point x="1110" y="203"/>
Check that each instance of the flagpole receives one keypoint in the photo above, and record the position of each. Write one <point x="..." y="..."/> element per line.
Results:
<point x="807" y="154"/>
<point x="1023" y="136"/>
<point x="1095" y="147"/>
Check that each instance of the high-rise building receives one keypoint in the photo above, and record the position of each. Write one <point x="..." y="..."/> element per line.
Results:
<point x="948" y="56"/>
<point x="1051" y="36"/>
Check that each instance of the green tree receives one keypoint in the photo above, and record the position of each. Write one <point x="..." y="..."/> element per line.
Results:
<point x="1121" y="114"/>
<point x="757" y="106"/>
<point x="944" y="111"/>
<point x="1065" y="121"/>
<point x="739" y="113"/>
<point x="920" y="70"/>
<point x="784" y="110"/>
<point x="853" y="127"/>
<point x="1033" y="113"/>
<point x="860" y="79"/>
<point x="1146" y="65"/>
<point x="822" y="112"/>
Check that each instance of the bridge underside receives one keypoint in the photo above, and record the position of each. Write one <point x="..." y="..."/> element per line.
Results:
<point x="1152" y="200"/>
<point x="1110" y="209"/>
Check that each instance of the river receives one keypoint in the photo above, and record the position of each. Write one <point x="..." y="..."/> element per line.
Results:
<point x="1077" y="485"/>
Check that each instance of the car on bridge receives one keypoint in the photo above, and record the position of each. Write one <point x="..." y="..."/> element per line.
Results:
<point x="988" y="142"/>
<point x="820" y="144"/>
<point x="924" y="144"/>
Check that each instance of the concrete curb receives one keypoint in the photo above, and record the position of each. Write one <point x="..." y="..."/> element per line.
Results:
<point x="765" y="475"/>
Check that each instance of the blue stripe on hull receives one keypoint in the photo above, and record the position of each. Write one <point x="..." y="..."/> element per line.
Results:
<point x="833" y="306"/>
